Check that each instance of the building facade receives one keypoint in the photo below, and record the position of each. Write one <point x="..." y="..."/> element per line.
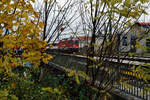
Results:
<point x="137" y="40"/>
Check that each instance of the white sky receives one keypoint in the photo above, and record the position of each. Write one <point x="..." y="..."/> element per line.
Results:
<point x="146" y="18"/>
<point x="143" y="18"/>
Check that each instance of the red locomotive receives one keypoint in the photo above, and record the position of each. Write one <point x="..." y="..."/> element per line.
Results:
<point x="68" y="45"/>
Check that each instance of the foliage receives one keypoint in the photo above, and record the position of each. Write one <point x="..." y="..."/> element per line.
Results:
<point x="108" y="21"/>
<point x="21" y="43"/>
<point x="20" y="35"/>
<point x="24" y="85"/>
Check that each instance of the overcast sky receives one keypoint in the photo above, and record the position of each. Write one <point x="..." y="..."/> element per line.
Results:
<point x="143" y="18"/>
<point x="146" y="18"/>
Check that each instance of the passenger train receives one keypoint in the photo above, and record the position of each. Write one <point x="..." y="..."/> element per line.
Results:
<point x="66" y="45"/>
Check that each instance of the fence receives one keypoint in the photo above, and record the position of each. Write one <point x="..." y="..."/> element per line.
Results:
<point x="131" y="82"/>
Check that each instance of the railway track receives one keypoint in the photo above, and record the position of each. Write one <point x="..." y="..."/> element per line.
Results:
<point x="126" y="60"/>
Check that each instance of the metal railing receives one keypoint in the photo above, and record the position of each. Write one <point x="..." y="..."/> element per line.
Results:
<point x="131" y="83"/>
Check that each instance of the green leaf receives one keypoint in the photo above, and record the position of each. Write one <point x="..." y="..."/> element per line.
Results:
<point x="3" y="93"/>
<point x="48" y="89"/>
<point x="13" y="97"/>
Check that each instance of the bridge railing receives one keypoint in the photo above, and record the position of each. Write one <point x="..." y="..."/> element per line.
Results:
<point x="131" y="82"/>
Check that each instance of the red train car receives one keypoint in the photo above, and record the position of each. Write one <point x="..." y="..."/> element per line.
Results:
<point x="68" y="45"/>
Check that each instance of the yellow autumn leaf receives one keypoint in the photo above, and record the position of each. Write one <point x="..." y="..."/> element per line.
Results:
<point x="41" y="24"/>
<point x="45" y="60"/>
<point x="13" y="85"/>
<point x="77" y="79"/>
<point x="71" y="73"/>
<point x="1" y="31"/>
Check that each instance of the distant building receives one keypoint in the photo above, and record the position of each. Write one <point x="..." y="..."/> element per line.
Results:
<point x="138" y="39"/>
<point x="84" y="41"/>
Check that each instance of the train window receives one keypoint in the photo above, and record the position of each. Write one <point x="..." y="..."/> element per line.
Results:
<point x="77" y="42"/>
<point x="70" y="42"/>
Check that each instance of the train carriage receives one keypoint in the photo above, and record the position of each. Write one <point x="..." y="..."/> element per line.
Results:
<point x="68" y="46"/>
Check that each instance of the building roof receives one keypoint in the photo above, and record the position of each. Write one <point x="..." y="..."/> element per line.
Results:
<point x="80" y="38"/>
<point x="143" y="24"/>
<point x="83" y="38"/>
